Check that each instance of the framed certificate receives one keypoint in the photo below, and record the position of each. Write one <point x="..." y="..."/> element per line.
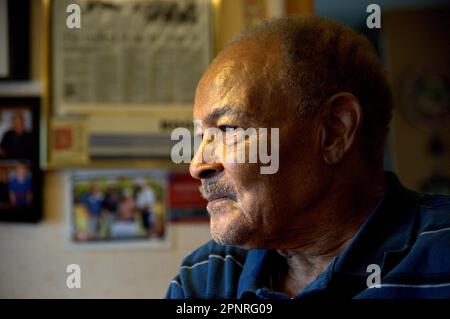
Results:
<point x="132" y="68"/>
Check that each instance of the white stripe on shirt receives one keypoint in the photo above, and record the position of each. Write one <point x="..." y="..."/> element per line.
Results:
<point x="434" y="231"/>
<point x="415" y="286"/>
<point x="212" y="256"/>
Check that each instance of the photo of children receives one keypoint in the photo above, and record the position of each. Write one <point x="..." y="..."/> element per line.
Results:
<point x="15" y="185"/>
<point x="113" y="205"/>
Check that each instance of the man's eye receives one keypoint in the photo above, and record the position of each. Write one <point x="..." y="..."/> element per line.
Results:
<point x="224" y="128"/>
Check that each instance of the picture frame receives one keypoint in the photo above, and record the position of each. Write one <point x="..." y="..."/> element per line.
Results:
<point x="14" y="40"/>
<point x="184" y="200"/>
<point x="68" y="141"/>
<point x="20" y="174"/>
<point x="132" y="84"/>
<point x="117" y="207"/>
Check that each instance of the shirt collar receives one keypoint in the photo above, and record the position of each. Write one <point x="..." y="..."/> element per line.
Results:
<point x="257" y="270"/>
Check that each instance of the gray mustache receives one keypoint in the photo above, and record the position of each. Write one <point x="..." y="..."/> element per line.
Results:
<point x="216" y="188"/>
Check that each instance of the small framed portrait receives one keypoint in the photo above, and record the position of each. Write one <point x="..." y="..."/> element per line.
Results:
<point x="184" y="199"/>
<point x="68" y="142"/>
<point x="118" y="206"/>
<point x="20" y="175"/>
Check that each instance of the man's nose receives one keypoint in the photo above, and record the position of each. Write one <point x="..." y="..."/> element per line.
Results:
<point x="203" y="169"/>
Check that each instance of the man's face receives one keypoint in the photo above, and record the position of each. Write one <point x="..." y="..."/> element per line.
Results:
<point x="18" y="123"/>
<point x="242" y="89"/>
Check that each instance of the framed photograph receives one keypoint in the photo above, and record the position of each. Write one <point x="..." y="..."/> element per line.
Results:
<point x="184" y="200"/>
<point x="132" y="68"/>
<point x="68" y="141"/>
<point x="118" y="206"/>
<point x="14" y="40"/>
<point x="20" y="175"/>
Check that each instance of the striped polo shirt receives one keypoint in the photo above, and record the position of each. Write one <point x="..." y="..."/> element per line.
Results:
<point x="402" y="251"/>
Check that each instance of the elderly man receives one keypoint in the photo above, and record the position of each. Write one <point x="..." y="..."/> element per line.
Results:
<point x="330" y="223"/>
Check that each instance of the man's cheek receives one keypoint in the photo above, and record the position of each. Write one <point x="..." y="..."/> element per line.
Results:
<point x="243" y="177"/>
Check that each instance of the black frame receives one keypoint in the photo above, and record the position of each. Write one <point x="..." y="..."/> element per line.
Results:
<point x="32" y="213"/>
<point x="19" y="17"/>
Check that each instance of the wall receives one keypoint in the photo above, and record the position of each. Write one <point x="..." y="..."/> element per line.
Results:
<point x="416" y="41"/>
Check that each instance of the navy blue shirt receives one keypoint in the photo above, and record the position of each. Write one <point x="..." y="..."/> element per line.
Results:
<point x="407" y="236"/>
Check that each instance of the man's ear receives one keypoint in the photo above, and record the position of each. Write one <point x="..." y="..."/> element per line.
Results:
<point x="342" y="118"/>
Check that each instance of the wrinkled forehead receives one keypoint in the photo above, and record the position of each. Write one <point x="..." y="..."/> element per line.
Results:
<point x="244" y="76"/>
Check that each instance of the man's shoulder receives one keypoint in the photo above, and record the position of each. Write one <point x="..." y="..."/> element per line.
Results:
<point x="434" y="201"/>
<point x="420" y="266"/>
<point x="434" y="213"/>
<point x="429" y="249"/>
<point x="210" y="271"/>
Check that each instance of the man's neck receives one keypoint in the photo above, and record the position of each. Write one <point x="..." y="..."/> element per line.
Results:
<point x="305" y="262"/>
<point x="303" y="269"/>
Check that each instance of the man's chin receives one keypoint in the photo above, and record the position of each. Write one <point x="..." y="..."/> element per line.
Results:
<point x="230" y="232"/>
<point x="235" y="241"/>
<point x="220" y="206"/>
<point x="228" y="223"/>
<point x="227" y="240"/>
